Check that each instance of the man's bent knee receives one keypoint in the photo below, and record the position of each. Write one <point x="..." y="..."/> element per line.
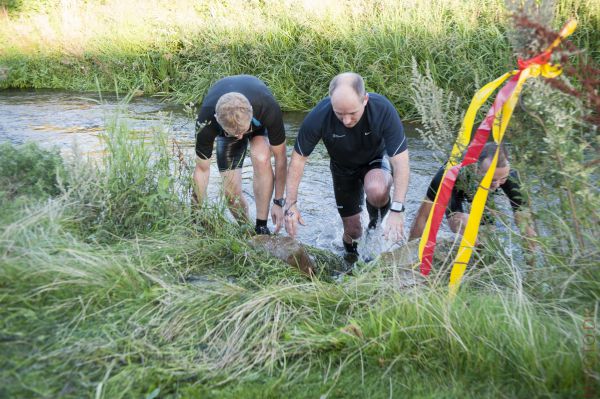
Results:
<point x="377" y="195"/>
<point x="262" y="158"/>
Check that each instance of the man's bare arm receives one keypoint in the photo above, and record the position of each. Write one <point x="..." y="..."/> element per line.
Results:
<point x="201" y="175"/>
<point x="401" y="168"/>
<point x="280" y="169"/>
<point x="294" y="176"/>
<point x="394" y="227"/>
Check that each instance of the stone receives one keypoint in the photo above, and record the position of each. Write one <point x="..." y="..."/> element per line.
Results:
<point x="405" y="261"/>
<point x="287" y="249"/>
<point x="404" y="256"/>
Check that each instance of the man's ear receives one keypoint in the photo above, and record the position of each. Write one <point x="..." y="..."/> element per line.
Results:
<point x="366" y="100"/>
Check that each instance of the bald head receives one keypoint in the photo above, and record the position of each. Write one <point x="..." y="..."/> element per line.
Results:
<point x="348" y="98"/>
<point x="348" y="80"/>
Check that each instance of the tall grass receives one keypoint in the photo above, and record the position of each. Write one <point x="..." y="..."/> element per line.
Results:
<point x="189" y="309"/>
<point x="181" y="47"/>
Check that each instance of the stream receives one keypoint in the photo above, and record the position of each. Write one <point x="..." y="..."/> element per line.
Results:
<point x="64" y="119"/>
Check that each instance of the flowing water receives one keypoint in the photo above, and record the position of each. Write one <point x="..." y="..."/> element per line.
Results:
<point x="61" y="119"/>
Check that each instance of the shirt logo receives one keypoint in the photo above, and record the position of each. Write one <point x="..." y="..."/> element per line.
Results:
<point x="202" y="125"/>
<point x="338" y="136"/>
<point x="367" y="133"/>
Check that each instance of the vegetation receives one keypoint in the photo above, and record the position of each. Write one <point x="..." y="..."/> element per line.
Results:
<point x="179" y="48"/>
<point x="111" y="285"/>
<point x="110" y="288"/>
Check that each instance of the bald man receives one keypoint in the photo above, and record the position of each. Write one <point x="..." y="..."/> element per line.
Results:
<point x="365" y="140"/>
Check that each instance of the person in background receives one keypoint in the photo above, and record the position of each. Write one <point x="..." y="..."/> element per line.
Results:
<point x="505" y="178"/>
<point x="237" y="111"/>
<point x="365" y="140"/>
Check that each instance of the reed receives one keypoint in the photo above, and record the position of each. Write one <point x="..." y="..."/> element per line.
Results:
<point x="185" y="307"/>
<point x="180" y="48"/>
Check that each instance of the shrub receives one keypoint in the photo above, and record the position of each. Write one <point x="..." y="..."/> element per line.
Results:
<point x="29" y="170"/>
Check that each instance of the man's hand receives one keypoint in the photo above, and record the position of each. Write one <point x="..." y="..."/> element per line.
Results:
<point x="394" y="226"/>
<point x="277" y="217"/>
<point x="292" y="218"/>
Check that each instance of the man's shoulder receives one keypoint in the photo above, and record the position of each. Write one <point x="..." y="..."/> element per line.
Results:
<point x="239" y="79"/>
<point x="381" y="110"/>
<point x="322" y="107"/>
<point x="379" y="100"/>
<point x="250" y="86"/>
<point x="318" y="114"/>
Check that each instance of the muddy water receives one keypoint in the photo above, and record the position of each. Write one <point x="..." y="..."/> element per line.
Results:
<point x="61" y="119"/>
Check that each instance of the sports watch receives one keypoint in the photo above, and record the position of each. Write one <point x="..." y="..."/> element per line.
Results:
<point x="397" y="207"/>
<point x="280" y="201"/>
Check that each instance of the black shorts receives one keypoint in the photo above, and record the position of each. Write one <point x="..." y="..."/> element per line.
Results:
<point x="348" y="185"/>
<point x="231" y="152"/>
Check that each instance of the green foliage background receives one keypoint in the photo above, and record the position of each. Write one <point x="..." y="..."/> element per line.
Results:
<point x="179" y="48"/>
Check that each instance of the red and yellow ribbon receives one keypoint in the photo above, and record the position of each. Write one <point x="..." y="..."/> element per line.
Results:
<point x="496" y="121"/>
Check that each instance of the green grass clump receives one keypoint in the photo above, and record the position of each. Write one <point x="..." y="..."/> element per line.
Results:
<point x="116" y="288"/>
<point x="179" y="48"/>
<point x="29" y="170"/>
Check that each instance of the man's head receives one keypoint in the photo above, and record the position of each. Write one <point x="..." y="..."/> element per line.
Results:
<point x="502" y="167"/>
<point x="234" y="113"/>
<point x="348" y="97"/>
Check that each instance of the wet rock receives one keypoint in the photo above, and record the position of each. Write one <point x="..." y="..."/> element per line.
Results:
<point x="405" y="256"/>
<point x="402" y="261"/>
<point x="286" y="249"/>
<point x="405" y="261"/>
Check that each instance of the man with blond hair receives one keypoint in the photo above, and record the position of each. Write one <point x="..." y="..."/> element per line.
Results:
<point x="238" y="110"/>
<point x="364" y="137"/>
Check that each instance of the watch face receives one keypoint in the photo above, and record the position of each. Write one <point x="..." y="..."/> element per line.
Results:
<point x="280" y="202"/>
<point x="397" y="207"/>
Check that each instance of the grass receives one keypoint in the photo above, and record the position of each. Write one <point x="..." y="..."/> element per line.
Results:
<point x="112" y="286"/>
<point x="107" y="294"/>
<point x="179" y="48"/>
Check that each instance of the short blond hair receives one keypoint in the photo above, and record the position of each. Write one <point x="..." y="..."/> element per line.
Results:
<point x="233" y="111"/>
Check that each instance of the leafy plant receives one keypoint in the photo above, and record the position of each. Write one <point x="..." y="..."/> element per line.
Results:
<point x="30" y="170"/>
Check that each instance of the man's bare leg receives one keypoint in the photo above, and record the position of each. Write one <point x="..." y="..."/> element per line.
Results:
<point x="262" y="182"/>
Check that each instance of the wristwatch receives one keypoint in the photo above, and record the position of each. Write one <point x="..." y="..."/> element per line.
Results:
<point x="280" y="201"/>
<point x="397" y="207"/>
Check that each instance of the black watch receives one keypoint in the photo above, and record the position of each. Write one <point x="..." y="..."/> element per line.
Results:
<point x="397" y="207"/>
<point x="280" y="201"/>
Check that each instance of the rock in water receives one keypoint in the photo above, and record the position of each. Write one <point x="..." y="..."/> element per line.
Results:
<point x="405" y="260"/>
<point x="402" y="261"/>
<point x="287" y="249"/>
<point x="404" y="256"/>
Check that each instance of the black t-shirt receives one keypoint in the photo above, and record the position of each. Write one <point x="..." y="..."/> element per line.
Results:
<point x="466" y="186"/>
<point x="266" y="112"/>
<point x="378" y="131"/>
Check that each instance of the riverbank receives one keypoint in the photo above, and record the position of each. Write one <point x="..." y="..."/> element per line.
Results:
<point x="178" y="48"/>
<point x="109" y="286"/>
